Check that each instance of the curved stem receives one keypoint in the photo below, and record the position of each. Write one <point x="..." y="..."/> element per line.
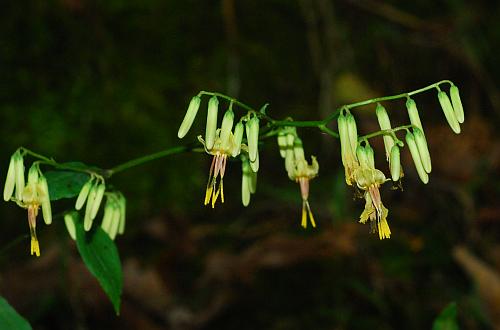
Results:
<point x="272" y="123"/>
<point x="147" y="158"/>
<point x="52" y="162"/>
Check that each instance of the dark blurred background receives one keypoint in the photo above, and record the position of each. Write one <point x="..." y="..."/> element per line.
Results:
<point x="105" y="81"/>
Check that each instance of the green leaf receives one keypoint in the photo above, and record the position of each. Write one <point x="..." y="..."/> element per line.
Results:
<point x="100" y="255"/>
<point x="65" y="184"/>
<point x="10" y="319"/>
<point x="447" y="320"/>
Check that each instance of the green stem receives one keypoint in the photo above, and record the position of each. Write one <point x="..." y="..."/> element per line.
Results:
<point x="229" y="98"/>
<point x="385" y="132"/>
<point x="273" y="123"/>
<point x="52" y="162"/>
<point x="144" y="159"/>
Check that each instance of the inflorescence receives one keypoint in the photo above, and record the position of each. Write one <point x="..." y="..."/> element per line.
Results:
<point x="241" y="141"/>
<point x="358" y="157"/>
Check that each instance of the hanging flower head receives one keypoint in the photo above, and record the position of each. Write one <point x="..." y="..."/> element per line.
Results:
<point x="369" y="179"/>
<point x="222" y="143"/>
<point x="298" y="169"/>
<point x="31" y="196"/>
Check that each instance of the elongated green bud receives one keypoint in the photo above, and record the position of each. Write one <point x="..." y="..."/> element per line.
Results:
<point x="238" y="137"/>
<point x="46" y="208"/>
<point x="82" y="196"/>
<point x="245" y="182"/>
<point x="191" y="112"/>
<point x="370" y="155"/>
<point x="253" y="138"/>
<point x="255" y="164"/>
<point x="19" y="170"/>
<point x="411" y="106"/>
<point x="213" y="108"/>
<point x="69" y="221"/>
<point x="227" y="126"/>
<point x="362" y="157"/>
<point x="282" y="145"/>
<point x="410" y="141"/>
<point x="97" y="201"/>
<point x="10" y="181"/>
<point x="449" y="113"/>
<point x="385" y="123"/>
<point x="252" y="186"/>
<point x="87" y="220"/>
<point x="457" y="104"/>
<point x="395" y="163"/>
<point x="423" y="149"/>
<point x="122" y="204"/>
<point x="108" y="215"/>
<point x="298" y="149"/>
<point x="352" y="132"/>
<point x="345" y="145"/>
<point x="33" y="174"/>
<point x="115" y="223"/>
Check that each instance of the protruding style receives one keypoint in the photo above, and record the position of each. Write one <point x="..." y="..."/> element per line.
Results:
<point x="301" y="172"/>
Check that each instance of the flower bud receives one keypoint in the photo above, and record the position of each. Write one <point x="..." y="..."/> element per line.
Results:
<point x="122" y="204"/>
<point x="282" y="145"/>
<point x="226" y="127"/>
<point x="108" y="215"/>
<point x="253" y="138"/>
<point x="238" y="137"/>
<point x="245" y="183"/>
<point x="298" y="150"/>
<point x="211" y="128"/>
<point x="255" y="164"/>
<point x="345" y="145"/>
<point x="33" y="174"/>
<point x="385" y="124"/>
<point x="97" y="201"/>
<point x="411" y="106"/>
<point x="191" y="112"/>
<point x="423" y="150"/>
<point x="87" y="220"/>
<point x="457" y="104"/>
<point x="395" y="163"/>
<point x="82" y="196"/>
<point x="10" y="181"/>
<point x="115" y="223"/>
<point x="352" y="132"/>
<point x="410" y="141"/>
<point x="370" y="155"/>
<point x="449" y="113"/>
<point x="69" y="221"/>
<point x="46" y="208"/>
<point x="362" y="156"/>
<point x="19" y="170"/>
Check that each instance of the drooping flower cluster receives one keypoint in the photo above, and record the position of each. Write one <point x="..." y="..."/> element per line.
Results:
<point x="30" y="195"/>
<point x="91" y="195"/>
<point x="291" y="149"/>
<point x="223" y="143"/>
<point x="356" y="153"/>
<point x="358" y="156"/>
